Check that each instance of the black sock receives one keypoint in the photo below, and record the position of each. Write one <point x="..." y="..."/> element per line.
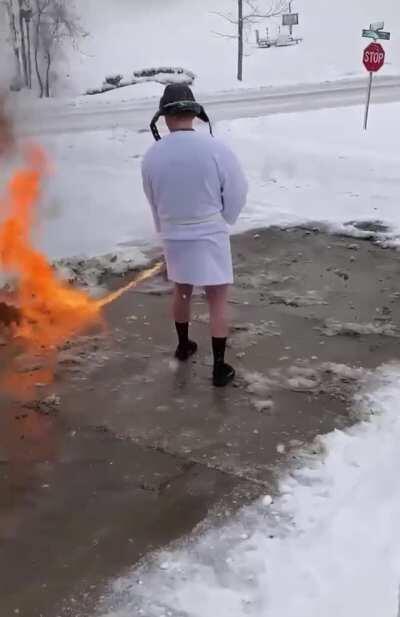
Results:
<point x="182" y="330"/>
<point x="219" y="346"/>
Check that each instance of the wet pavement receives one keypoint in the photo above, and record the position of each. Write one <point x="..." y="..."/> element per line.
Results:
<point x="124" y="451"/>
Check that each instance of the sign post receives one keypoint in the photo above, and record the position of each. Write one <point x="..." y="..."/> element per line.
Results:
<point x="290" y="19"/>
<point x="371" y="76"/>
<point x="373" y="60"/>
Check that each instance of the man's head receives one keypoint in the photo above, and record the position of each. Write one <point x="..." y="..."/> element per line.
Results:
<point x="180" y="108"/>
<point x="180" y="122"/>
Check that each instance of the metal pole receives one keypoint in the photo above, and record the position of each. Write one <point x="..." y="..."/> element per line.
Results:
<point x="290" y="11"/>
<point x="371" y="75"/>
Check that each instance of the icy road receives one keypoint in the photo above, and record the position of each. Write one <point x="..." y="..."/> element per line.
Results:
<point x="102" y="112"/>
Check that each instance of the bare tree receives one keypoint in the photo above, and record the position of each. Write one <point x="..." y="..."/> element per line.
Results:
<point x="249" y="12"/>
<point x="19" y="17"/>
<point x="54" y="22"/>
<point x="25" y="18"/>
<point x="15" y="43"/>
<point x="22" y="34"/>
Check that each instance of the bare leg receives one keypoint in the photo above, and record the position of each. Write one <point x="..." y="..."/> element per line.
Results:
<point x="181" y="312"/>
<point x="182" y="302"/>
<point x="217" y="297"/>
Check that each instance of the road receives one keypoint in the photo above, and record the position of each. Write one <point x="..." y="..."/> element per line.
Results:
<point x="94" y="113"/>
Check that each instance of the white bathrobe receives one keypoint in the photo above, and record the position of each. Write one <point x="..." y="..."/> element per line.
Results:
<point x="196" y="189"/>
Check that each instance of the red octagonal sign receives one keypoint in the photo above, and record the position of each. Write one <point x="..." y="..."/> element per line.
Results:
<point x="374" y="57"/>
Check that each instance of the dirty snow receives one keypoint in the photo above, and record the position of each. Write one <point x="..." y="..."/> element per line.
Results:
<point x="305" y="376"/>
<point x="336" y="328"/>
<point x="327" y="545"/>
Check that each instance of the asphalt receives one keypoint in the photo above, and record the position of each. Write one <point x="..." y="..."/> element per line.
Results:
<point x="113" y="450"/>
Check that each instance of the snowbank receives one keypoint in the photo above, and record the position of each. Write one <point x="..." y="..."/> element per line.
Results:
<point x="160" y="75"/>
<point x="90" y="272"/>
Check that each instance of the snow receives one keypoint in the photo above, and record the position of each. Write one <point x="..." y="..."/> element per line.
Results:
<point x="93" y="204"/>
<point x="129" y="36"/>
<point x="327" y="545"/>
<point x="161" y="75"/>
<point x="95" y="197"/>
<point x="304" y="167"/>
<point x="321" y="166"/>
<point x="312" y="168"/>
<point x="335" y="328"/>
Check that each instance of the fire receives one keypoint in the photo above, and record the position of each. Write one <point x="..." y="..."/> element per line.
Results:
<point x="143" y="276"/>
<point x="50" y="310"/>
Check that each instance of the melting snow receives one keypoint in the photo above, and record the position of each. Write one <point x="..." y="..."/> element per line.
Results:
<point x="328" y="545"/>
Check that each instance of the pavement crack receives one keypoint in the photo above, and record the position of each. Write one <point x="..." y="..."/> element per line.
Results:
<point x="192" y="462"/>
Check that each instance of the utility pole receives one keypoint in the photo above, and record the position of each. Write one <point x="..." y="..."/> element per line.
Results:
<point x="240" y="40"/>
<point x="290" y="12"/>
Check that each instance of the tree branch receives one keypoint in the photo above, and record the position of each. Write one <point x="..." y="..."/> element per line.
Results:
<point x="232" y="20"/>
<point x="276" y="9"/>
<point x="225" y="36"/>
<point x="254" y="13"/>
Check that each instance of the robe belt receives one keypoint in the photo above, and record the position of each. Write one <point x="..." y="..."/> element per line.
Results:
<point x="195" y="221"/>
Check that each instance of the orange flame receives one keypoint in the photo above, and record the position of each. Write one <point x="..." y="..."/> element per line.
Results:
<point x="143" y="276"/>
<point x="51" y="311"/>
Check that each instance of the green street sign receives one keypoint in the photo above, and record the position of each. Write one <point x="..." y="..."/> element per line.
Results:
<point x="385" y="36"/>
<point x="370" y="34"/>
<point x="376" y="35"/>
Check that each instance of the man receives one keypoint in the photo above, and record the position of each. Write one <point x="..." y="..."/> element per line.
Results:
<point x="196" y="188"/>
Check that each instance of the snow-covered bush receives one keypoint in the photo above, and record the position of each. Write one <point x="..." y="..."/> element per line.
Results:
<point x="162" y="75"/>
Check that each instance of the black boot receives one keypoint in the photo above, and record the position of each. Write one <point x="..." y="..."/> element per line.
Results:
<point x="223" y="373"/>
<point x="186" y="348"/>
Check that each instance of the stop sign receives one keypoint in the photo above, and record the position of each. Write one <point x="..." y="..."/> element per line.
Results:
<point x="374" y="57"/>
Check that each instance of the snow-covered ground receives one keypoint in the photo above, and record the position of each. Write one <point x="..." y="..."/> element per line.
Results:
<point x="328" y="545"/>
<point x="127" y="36"/>
<point x="322" y="166"/>
<point x="315" y="166"/>
<point x="331" y="47"/>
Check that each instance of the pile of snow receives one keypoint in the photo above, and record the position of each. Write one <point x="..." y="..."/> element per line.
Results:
<point x="160" y="75"/>
<point x="337" y="380"/>
<point x="379" y="327"/>
<point x="90" y="272"/>
<point x="290" y="298"/>
<point x="327" y="545"/>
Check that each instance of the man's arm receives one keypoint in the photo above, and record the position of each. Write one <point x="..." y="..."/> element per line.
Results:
<point x="234" y="185"/>
<point x="148" y="191"/>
